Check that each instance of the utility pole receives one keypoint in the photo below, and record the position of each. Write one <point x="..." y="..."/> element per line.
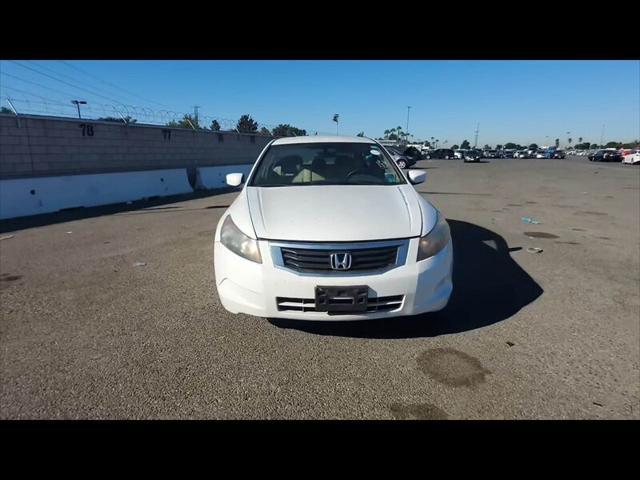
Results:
<point x="195" y="113"/>
<point x="475" y="142"/>
<point x="407" y="136"/>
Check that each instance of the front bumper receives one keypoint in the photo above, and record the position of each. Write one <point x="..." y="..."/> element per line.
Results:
<point x="248" y="287"/>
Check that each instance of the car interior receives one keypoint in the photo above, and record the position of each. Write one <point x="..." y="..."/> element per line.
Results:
<point x="324" y="166"/>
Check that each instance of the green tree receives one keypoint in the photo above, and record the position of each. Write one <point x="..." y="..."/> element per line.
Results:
<point x="580" y="140"/>
<point x="557" y="142"/>
<point x="533" y="146"/>
<point x="511" y="146"/>
<point x="187" y="121"/>
<point x="612" y="145"/>
<point x="465" y="145"/>
<point x="6" y="110"/>
<point x="455" y="147"/>
<point x="286" y="130"/>
<point x="487" y="147"/>
<point x="215" y="126"/>
<point x="246" y="124"/>
<point x="395" y="134"/>
<point x="265" y="131"/>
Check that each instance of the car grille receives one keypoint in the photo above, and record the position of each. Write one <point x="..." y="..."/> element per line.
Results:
<point x="374" y="304"/>
<point x="314" y="260"/>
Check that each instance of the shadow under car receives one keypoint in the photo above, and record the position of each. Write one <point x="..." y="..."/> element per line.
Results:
<point x="488" y="287"/>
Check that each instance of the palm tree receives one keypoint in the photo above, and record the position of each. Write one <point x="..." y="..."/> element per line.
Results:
<point x="580" y="140"/>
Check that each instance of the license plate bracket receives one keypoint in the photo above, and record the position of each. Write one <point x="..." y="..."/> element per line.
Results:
<point x="345" y="299"/>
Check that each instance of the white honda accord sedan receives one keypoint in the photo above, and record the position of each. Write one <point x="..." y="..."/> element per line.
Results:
<point x="329" y="228"/>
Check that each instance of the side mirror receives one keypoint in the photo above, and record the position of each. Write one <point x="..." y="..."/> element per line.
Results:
<point x="234" y="179"/>
<point x="417" y="176"/>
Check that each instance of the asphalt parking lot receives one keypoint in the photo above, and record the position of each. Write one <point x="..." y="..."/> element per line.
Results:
<point x="85" y="333"/>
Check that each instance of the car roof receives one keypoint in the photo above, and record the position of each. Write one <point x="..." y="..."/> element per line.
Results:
<point x="321" y="139"/>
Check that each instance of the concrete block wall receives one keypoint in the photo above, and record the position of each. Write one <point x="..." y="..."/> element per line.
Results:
<point x="35" y="146"/>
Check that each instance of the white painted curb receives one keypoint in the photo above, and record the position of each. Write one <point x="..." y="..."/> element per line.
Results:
<point x="32" y="196"/>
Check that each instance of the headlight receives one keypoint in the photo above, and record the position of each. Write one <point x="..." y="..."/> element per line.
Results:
<point x="435" y="240"/>
<point x="236" y="241"/>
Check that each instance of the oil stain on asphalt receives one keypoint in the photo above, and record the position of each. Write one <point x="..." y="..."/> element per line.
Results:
<point x="589" y="212"/>
<point x="417" y="411"/>
<point x="5" y="277"/>
<point x="452" y="367"/>
<point x="540" y="235"/>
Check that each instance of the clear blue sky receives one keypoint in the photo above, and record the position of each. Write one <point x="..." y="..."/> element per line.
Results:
<point x="519" y="101"/>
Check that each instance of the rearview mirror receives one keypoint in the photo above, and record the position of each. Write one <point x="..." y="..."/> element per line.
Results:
<point x="417" y="176"/>
<point x="234" y="179"/>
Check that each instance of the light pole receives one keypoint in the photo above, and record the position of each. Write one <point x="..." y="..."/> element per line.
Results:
<point x="407" y="136"/>
<point x="77" y="103"/>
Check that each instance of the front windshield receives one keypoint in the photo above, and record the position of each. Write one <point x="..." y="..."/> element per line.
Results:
<point x="326" y="164"/>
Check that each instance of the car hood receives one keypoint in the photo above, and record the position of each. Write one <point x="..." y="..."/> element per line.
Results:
<point x="340" y="213"/>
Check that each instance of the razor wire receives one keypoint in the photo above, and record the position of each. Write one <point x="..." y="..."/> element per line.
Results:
<point x="27" y="103"/>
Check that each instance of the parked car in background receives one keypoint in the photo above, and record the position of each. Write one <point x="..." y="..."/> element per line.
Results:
<point x="559" y="154"/>
<point x="490" y="154"/>
<point x="417" y="146"/>
<point x="460" y="152"/>
<point x="402" y="160"/>
<point x="605" y="156"/>
<point x="472" y="155"/>
<point x="521" y="154"/>
<point x="507" y="153"/>
<point x="413" y="153"/>
<point x="625" y="151"/>
<point x="540" y="154"/>
<point x="445" y="153"/>
<point x="632" y="158"/>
